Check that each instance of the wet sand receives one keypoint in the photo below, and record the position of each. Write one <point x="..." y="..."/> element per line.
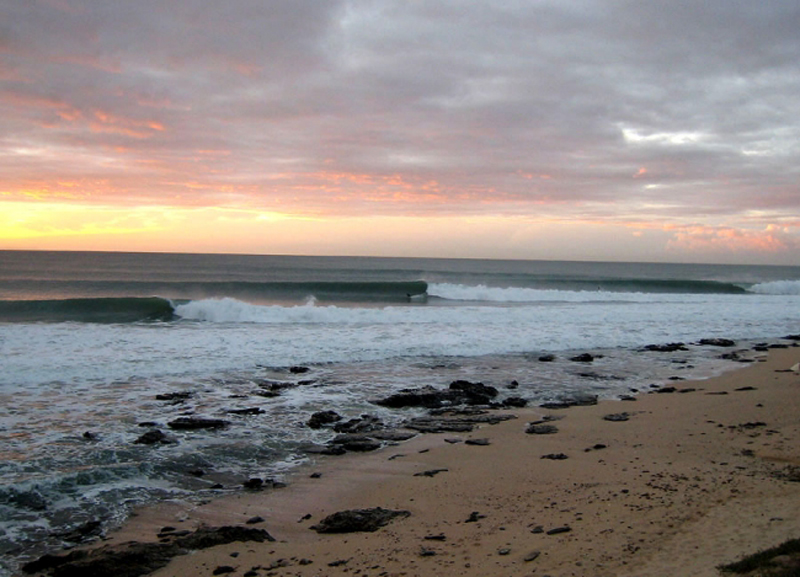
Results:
<point x="692" y="479"/>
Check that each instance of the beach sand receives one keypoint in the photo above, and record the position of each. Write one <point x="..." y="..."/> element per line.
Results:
<point x="692" y="479"/>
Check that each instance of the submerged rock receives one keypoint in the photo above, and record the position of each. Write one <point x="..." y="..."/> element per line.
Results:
<point x="718" y="342"/>
<point x="358" y="520"/>
<point x="193" y="423"/>
<point x="322" y="418"/>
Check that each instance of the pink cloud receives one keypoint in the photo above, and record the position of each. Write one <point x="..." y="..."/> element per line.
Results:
<point x="710" y="239"/>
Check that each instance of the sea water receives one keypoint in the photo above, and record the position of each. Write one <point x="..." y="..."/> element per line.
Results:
<point x="88" y="340"/>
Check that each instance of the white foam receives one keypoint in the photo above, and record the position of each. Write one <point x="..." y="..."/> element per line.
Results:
<point x="484" y="293"/>
<point x="779" y="287"/>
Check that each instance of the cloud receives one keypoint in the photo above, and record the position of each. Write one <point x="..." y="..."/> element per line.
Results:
<point x="670" y="112"/>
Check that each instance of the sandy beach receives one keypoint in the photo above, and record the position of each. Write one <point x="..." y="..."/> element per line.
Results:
<point x="676" y="483"/>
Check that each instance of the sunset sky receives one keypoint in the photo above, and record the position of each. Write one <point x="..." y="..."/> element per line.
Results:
<point x="665" y="130"/>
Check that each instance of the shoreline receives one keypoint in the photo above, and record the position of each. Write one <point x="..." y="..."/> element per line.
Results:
<point x="688" y="481"/>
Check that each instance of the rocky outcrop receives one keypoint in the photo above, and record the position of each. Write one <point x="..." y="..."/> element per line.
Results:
<point x="136" y="559"/>
<point x="358" y="520"/>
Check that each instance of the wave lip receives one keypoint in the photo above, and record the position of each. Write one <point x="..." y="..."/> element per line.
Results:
<point x="88" y="310"/>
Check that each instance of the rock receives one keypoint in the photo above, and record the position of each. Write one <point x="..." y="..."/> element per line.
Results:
<point x="175" y="397"/>
<point x="254" y="520"/>
<point x="194" y="423"/>
<point x="248" y="411"/>
<point x="256" y="484"/>
<point x="474" y="517"/>
<point x="617" y="417"/>
<point x="425" y="397"/>
<point x="223" y="569"/>
<point x="322" y="418"/>
<point x="547" y="358"/>
<point x="583" y="358"/>
<point x="32" y="499"/>
<point x="476" y="393"/>
<point x="559" y="530"/>
<point x="324" y="449"/>
<point x="516" y="402"/>
<point x="358" y="520"/>
<point x="356" y="443"/>
<point x="555" y="456"/>
<point x="363" y="424"/>
<point x="154" y="437"/>
<point x="430" y="473"/>
<point x="459" y="393"/>
<point x="137" y="559"/>
<point x="477" y="442"/>
<point x="663" y="390"/>
<point x="83" y="532"/>
<point x="299" y="370"/>
<point x="667" y="348"/>
<point x="576" y="400"/>
<point x="541" y="429"/>
<point x="532" y="556"/>
<point x="459" y="423"/>
<point x="718" y="342"/>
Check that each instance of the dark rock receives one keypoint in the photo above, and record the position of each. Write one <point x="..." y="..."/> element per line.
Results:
<point x="792" y="337"/>
<point x="559" y="530"/>
<point x="439" y="537"/>
<point x="748" y="388"/>
<point x="532" y="556"/>
<point x="194" y="423"/>
<point x="718" y="342"/>
<point x="153" y="437"/>
<point x="427" y="552"/>
<point x="430" y="473"/>
<point x="617" y="417"/>
<point x="576" y="400"/>
<point x="197" y="473"/>
<point x="363" y="424"/>
<point x="516" y="402"/>
<point x="667" y="348"/>
<point x="425" y="397"/>
<point x="324" y="449"/>
<point x="477" y="442"/>
<point x="476" y="393"/>
<point x="504" y="551"/>
<point x="32" y="500"/>
<point x="513" y="385"/>
<point x="89" y="436"/>
<point x="299" y="370"/>
<point x="322" y="418"/>
<point x="547" y="358"/>
<point x="555" y="456"/>
<point x="179" y="396"/>
<point x="356" y="443"/>
<point x="455" y="424"/>
<point x="147" y="424"/>
<point x="248" y="411"/>
<point x="358" y="520"/>
<point x="666" y="390"/>
<point x="256" y="484"/>
<point x="541" y="429"/>
<point x="137" y="559"/>
<point x="223" y="569"/>
<point x="474" y="517"/>
<point x="583" y="358"/>
<point x="254" y="520"/>
<point x="83" y="532"/>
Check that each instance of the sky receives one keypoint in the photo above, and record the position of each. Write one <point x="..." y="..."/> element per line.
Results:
<point x="666" y="130"/>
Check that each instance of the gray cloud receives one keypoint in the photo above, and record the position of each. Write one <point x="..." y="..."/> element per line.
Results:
<point x="440" y="106"/>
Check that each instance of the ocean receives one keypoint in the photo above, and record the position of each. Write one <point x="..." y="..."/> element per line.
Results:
<point x="98" y="348"/>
